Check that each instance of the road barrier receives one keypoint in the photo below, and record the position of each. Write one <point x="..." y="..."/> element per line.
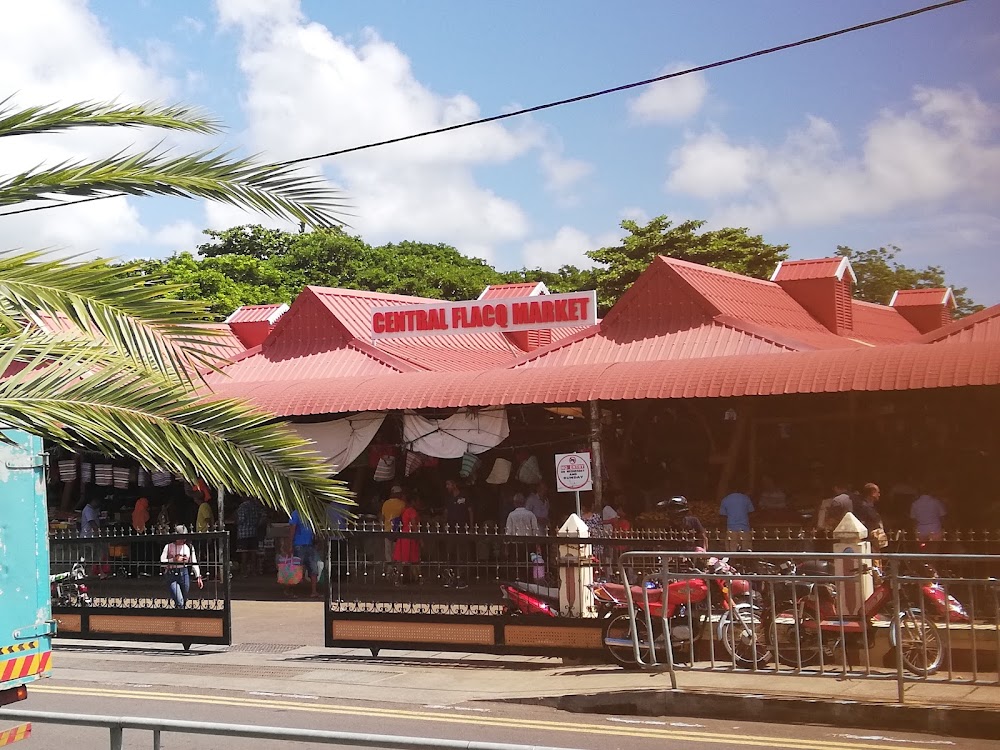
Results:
<point x="902" y="617"/>
<point x="158" y="727"/>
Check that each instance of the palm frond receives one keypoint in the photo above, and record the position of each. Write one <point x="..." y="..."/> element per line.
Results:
<point x="136" y="316"/>
<point x="53" y="118"/>
<point x="278" y="191"/>
<point x="161" y="424"/>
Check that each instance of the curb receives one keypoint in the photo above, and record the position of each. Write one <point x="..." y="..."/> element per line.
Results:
<point x="953" y="721"/>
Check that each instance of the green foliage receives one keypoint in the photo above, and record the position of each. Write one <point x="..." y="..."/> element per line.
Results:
<point x="105" y="356"/>
<point x="566" y="279"/>
<point x="880" y="274"/>
<point x="730" y="249"/>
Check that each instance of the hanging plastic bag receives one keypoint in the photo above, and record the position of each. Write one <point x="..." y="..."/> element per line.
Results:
<point x="385" y="470"/>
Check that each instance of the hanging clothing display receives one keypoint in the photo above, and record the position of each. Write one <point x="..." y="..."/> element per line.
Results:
<point x="340" y="441"/>
<point x="466" y="431"/>
<point x="500" y="473"/>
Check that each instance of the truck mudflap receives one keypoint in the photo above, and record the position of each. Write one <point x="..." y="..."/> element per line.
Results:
<point x="10" y="736"/>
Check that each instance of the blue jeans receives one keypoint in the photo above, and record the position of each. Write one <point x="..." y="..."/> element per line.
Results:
<point x="179" y="583"/>
<point x="307" y="555"/>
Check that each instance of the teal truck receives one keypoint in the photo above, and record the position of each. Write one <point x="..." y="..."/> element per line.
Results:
<point x="26" y="624"/>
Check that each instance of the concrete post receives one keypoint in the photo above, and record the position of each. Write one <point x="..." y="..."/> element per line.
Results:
<point x="847" y="537"/>
<point x="576" y="598"/>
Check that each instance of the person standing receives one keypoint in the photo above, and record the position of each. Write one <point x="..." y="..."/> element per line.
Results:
<point x="206" y="516"/>
<point x="927" y="513"/>
<point x="249" y="517"/>
<point x="458" y="514"/>
<point x="181" y="561"/>
<point x="90" y="518"/>
<point x="302" y="547"/>
<point x="682" y="521"/>
<point x="833" y="509"/>
<point x="391" y="510"/>
<point x="737" y="507"/>
<point x="406" y="551"/>
<point x="521" y="521"/>
<point x="538" y="503"/>
<point x="866" y="512"/>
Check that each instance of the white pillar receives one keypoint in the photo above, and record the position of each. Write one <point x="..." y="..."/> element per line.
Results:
<point x="848" y="537"/>
<point x="576" y="598"/>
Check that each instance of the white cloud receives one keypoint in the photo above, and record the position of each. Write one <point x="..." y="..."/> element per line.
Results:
<point x="709" y="166"/>
<point x="56" y="51"/>
<point x="310" y="91"/>
<point x="567" y="247"/>
<point x="673" y="100"/>
<point x="636" y="214"/>
<point x="943" y="148"/>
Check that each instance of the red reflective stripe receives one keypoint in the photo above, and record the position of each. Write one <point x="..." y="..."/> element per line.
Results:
<point x="16" y="734"/>
<point x="8" y="669"/>
<point x="45" y="665"/>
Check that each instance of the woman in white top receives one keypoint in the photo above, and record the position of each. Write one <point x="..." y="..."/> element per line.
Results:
<point x="180" y="560"/>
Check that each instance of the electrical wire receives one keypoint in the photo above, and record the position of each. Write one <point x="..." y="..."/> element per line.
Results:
<point x="570" y="100"/>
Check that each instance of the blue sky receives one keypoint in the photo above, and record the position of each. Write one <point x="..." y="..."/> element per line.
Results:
<point x="886" y="136"/>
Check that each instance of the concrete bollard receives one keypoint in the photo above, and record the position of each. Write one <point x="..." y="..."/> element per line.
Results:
<point x="576" y="573"/>
<point x="848" y="537"/>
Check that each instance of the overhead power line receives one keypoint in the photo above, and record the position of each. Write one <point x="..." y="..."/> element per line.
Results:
<point x="570" y="100"/>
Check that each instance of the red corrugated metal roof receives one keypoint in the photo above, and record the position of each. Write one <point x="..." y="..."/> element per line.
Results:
<point x="921" y="297"/>
<point x="981" y="326"/>
<point x="258" y="314"/>
<point x="890" y="368"/>
<point x="353" y="308"/>
<point x="507" y="291"/>
<point x="878" y="324"/>
<point x="814" y="268"/>
<point x="457" y="352"/>
<point x="708" y="340"/>
<point x="282" y="365"/>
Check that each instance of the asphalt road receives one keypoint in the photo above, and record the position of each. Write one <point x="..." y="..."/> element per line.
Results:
<point x="487" y="722"/>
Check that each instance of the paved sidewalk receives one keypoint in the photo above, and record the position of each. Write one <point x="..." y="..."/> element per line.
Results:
<point x="278" y="648"/>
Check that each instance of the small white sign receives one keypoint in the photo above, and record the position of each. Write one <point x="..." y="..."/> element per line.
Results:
<point x="573" y="472"/>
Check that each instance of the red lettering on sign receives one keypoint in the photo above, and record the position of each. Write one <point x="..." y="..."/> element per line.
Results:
<point x="501" y="315"/>
<point x="562" y="310"/>
<point x="520" y="311"/>
<point x="583" y="302"/>
<point x="378" y="322"/>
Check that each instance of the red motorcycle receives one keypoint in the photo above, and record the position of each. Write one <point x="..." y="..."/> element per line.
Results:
<point x="815" y="630"/>
<point x="528" y="599"/>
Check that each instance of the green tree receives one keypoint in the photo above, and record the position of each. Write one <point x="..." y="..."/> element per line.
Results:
<point x="567" y="279"/>
<point x="253" y="240"/>
<point x="880" y="274"/>
<point x="116" y="373"/>
<point x="730" y="249"/>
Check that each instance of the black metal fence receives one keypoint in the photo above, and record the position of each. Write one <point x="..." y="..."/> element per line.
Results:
<point x="113" y="586"/>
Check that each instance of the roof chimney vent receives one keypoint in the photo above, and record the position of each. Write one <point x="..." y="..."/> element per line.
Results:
<point x="926" y="309"/>
<point x="824" y="287"/>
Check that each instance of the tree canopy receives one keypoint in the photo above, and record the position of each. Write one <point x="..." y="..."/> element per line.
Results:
<point x="880" y="274"/>
<point x="105" y="357"/>
<point x="730" y="249"/>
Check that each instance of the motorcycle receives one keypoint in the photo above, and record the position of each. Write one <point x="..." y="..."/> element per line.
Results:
<point x="687" y="607"/>
<point x="813" y="631"/>
<point x="67" y="591"/>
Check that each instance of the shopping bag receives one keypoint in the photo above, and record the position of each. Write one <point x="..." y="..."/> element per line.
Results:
<point x="289" y="570"/>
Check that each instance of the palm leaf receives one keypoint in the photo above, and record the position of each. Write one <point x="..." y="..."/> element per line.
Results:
<point x="137" y="317"/>
<point x="278" y="191"/>
<point x="55" y="118"/>
<point x="159" y="423"/>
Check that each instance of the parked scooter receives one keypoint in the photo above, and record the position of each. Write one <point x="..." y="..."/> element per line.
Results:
<point x="66" y="589"/>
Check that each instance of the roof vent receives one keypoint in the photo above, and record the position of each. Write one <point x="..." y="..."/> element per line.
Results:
<point x="253" y="323"/>
<point x="926" y="309"/>
<point x="824" y="287"/>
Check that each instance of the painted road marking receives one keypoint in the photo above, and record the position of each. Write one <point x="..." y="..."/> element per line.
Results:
<point x="479" y="720"/>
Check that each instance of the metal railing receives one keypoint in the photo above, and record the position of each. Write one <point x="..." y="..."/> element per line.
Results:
<point x="114" y="578"/>
<point x="117" y="726"/>
<point x="903" y="617"/>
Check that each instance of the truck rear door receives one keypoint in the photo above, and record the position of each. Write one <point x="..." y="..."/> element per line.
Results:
<point x="26" y="624"/>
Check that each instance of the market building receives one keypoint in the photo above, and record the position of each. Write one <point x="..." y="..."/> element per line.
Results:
<point x="697" y="381"/>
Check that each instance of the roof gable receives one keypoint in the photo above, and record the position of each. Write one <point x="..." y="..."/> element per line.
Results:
<point x="508" y="291"/>
<point x="814" y="268"/>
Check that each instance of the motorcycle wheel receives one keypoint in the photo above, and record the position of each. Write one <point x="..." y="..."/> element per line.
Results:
<point x="744" y="636"/>
<point x="921" y="644"/>
<point x="800" y="644"/>
<point x="619" y="628"/>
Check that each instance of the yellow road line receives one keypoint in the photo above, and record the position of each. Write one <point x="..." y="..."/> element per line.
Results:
<point x="478" y="720"/>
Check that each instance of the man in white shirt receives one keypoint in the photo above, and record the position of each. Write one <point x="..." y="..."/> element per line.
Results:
<point x="90" y="519"/>
<point x="521" y="521"/>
